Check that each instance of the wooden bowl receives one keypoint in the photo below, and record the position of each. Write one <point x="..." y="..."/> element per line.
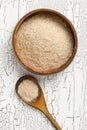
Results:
<point x="69" y="25"/>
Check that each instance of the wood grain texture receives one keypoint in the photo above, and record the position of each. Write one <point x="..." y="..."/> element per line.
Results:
<point x="65" y="92"/>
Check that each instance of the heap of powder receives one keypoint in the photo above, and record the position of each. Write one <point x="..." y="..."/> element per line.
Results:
<point x="28" y="90"/>
<point x="44" y="42"/>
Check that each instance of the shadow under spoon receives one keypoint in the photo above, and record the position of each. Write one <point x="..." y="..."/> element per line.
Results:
<point x="29" y="91"/>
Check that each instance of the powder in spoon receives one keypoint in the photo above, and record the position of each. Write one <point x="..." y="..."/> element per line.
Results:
<point x="28" y="90"/>
<point x="44" y="42"/>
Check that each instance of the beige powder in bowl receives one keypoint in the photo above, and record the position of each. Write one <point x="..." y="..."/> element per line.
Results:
<point x="44" y="42"/>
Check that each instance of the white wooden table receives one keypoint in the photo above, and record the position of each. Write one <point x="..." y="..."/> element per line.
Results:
<point x="65" y="92"/>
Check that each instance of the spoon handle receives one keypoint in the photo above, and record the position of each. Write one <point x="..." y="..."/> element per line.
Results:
<point x="53" y="121"/>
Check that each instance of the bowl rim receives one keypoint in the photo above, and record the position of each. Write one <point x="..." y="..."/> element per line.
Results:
<point x="70" y="25"/>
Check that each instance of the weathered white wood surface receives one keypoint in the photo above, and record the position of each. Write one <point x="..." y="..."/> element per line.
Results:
<point x="65" y="92"/>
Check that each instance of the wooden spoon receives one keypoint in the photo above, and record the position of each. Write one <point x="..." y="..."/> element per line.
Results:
<point x="39" y="103"/>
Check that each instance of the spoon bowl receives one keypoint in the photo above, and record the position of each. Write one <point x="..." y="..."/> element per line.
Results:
<point x="39" y="103"/>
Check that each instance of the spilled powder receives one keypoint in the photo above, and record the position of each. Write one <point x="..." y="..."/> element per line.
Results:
<point x="44" y="42"/>
<point x="28" y="90"/>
